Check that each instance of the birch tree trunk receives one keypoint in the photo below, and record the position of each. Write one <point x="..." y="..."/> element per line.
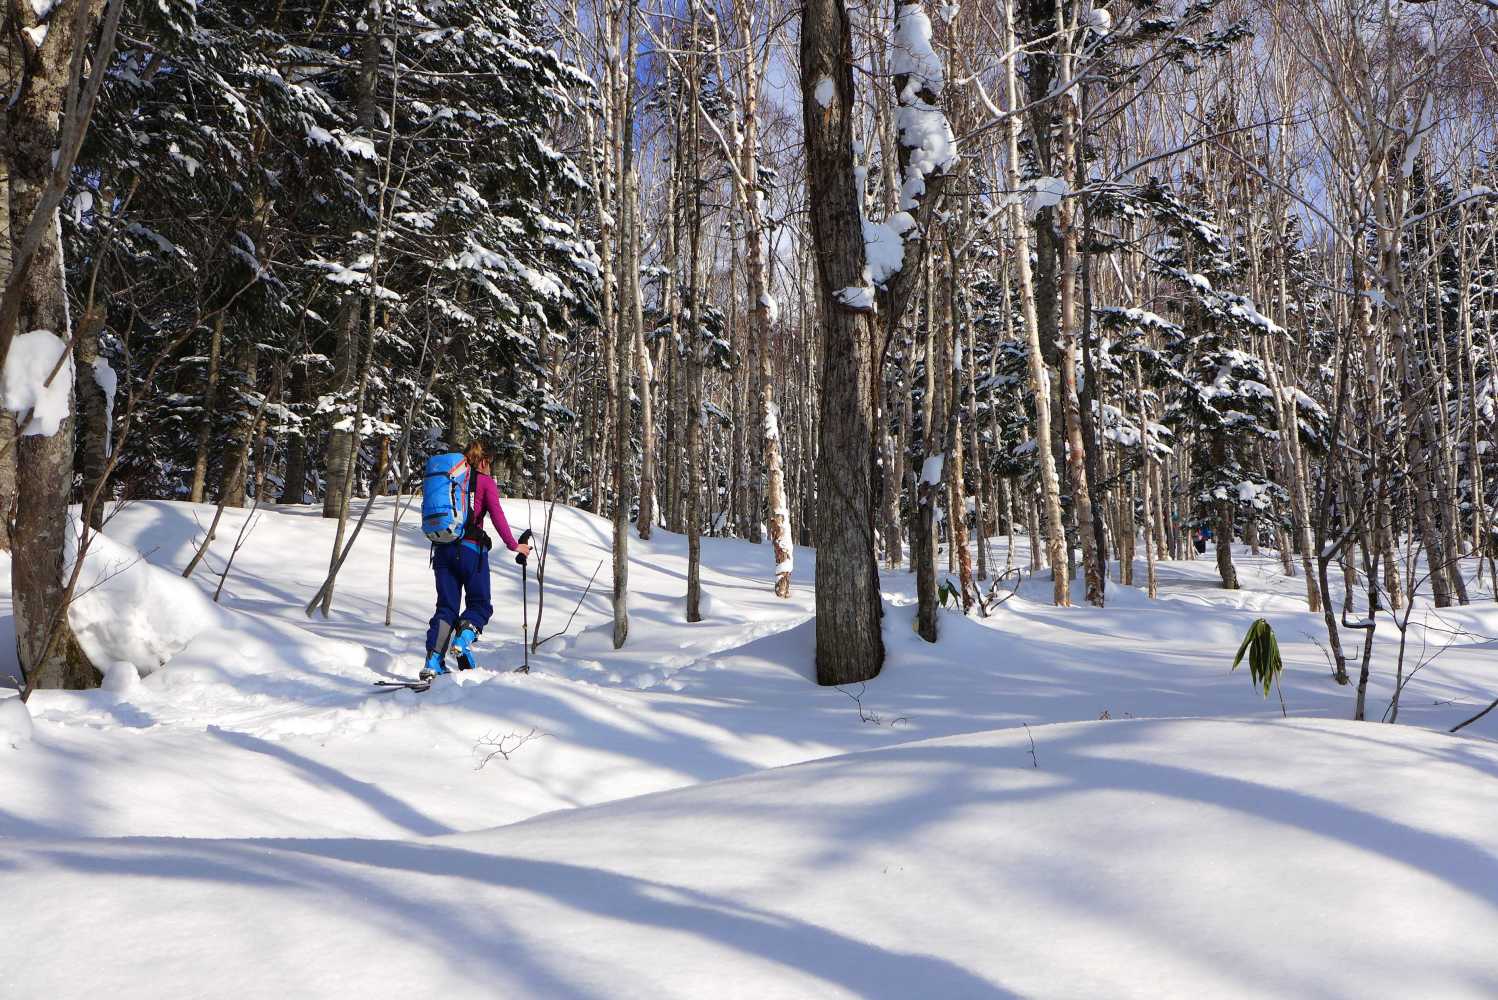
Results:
<point x="1145" y="485"/>
<point x="626" y="333"/>
<point x="761" y="304"/>
<point x="956" y="499"/>
<point x="1076" y="455"/>
<point x="48" y="652"/>
<point x="694" y="410"/>
<point x="1040" y="380"/>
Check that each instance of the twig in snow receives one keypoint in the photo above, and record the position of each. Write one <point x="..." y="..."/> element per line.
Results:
<point x="864" y="715"/>
<point x="1462" y="725"/>
<point x="113" y="572"/>
<point x="491" y="746"/>
<point x="1324" y="652"/>
<point x="993" y="600"/>
<point x="1034" y="761"/>
<point x="575" y="609"/>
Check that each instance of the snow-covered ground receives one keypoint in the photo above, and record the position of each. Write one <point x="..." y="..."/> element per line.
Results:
<point x="253" y="819"/>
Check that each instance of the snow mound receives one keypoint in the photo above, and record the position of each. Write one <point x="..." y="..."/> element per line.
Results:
<point x="129" y="613"/>
<point x="15" y="723"/>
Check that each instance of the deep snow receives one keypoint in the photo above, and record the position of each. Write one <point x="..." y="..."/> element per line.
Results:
<point x="1212" y="850"/>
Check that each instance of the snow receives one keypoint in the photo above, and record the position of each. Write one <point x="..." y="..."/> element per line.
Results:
<point x="1242" y="307"/>
<point x="923" y="129"/>
<point x="133" y="613"/>
<point x="911" y="53"/>
<point x="83" y="203"/>
<point x="15" y="723"/>
<point x="1044" y="192"/>
<point x="825" y="91"/>
<point x="356" y="274"/>
<point x="108" y="382"/>
<point x="1099" y="20"/>
<point x="39" y="407"/>
<point x="857" y="297"/>
<point x="190" y="163"/>
<point x="1415" y="137"/>
<point x="772" y="307"/>
<point x="353" y="145"/>
<point x="884" y="246"/>
<point x="37" y="35"/>
<point x="1047" y="802"/>
<point x="926" y="132"/>
<point x="358" y="146"/>
<point x="931" y="468"/>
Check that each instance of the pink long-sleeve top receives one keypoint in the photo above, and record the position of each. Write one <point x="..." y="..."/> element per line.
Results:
<point x="486" y="501"/>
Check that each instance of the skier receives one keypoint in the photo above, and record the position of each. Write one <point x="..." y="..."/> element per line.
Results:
<point x="464" y="568"/>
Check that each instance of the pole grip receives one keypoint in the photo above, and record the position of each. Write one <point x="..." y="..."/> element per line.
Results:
<point x="524" y="539"/>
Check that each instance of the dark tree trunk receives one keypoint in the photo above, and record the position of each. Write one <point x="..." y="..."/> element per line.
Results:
<point x="236" y="463"/>
<point x="341" y="432"/>
<point x="294" y="488"/>
<point x="7" y="479"/>
<point x="850" y="647"/>
<point x="197" y="490"/>
<point x="1224" y="528"/>
<point x="93" y="408"/>
<point x="7" y="419"/>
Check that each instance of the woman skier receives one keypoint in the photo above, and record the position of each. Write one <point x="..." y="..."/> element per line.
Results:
<point x="463" y="569"/>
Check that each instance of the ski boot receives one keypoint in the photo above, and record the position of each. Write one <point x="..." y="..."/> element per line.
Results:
<point x="463" y="643"/>
<point x="433" y="667"/>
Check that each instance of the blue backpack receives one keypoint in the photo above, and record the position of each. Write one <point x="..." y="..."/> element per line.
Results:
<point x="444" y="497"/>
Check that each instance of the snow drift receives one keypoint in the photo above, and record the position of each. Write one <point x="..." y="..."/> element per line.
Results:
<point x="1117" y="859"/>
<point x="128" y="613"/>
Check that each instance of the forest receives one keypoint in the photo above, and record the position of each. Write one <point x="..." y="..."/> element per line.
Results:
<point x="1102" y="276"/>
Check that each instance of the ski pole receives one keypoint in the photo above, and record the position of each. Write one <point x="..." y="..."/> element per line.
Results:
<point x="525" y="605"/>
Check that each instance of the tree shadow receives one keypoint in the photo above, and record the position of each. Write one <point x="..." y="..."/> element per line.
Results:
<point x="386" y="805"/>
<point x="475" y="930"/>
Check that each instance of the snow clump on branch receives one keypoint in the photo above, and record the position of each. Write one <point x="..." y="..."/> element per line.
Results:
<point x="26" y="391"/>
<point x="923" y="128"/>
<point x="928" y="148"/>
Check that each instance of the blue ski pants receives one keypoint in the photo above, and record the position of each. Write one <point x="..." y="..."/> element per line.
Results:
<point x="462" y="572"/>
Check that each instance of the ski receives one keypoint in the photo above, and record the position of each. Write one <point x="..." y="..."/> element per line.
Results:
<point x="417" y="686"/>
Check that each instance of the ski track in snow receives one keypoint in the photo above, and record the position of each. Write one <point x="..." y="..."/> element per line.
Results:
<point x="996" y="840"/>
